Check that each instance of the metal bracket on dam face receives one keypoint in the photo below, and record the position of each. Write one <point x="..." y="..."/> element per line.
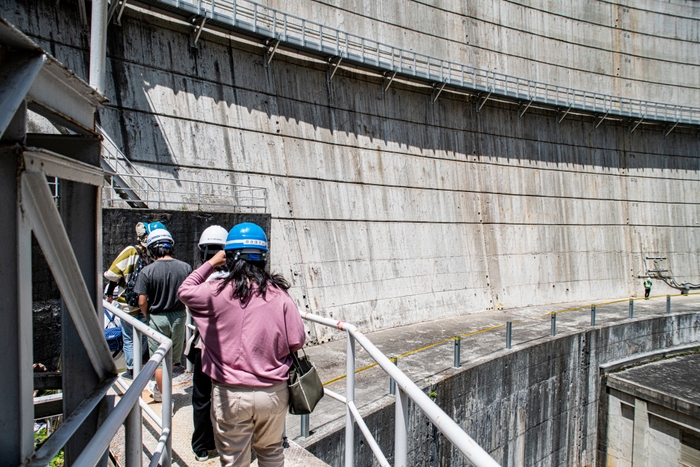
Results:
<point x="251" y="19"/>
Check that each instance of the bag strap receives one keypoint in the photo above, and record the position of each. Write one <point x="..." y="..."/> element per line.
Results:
<point x="109" y="315"/>
<point x="295" y="357"/>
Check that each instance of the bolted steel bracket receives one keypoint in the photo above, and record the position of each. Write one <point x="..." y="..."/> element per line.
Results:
<point x="481" y="104"/>
<point x="116" y="5"/>
<point x="672" y="127"/>
<point x="524" y="108"/>
<point x="333" y="65"/>
<point x="270" y="49"/>
<point x="388" y="79"/>
<point x="437" y="89"/>
<point x="563" y="115"/>
<point x="635" y="125"/>
<point x="197" y="28"/>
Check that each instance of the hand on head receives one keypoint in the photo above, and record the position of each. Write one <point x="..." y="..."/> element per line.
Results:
<point x="219" y="259"/>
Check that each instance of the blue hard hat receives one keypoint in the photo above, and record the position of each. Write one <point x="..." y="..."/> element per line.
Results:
<point x="246" y="236"/>
<point x="154" y="226"/>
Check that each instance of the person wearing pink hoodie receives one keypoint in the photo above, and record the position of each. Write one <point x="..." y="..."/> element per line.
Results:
<point x="250" y="326"/>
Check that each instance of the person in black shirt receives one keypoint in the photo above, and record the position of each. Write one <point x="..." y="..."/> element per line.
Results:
<point x="157" y="286"/>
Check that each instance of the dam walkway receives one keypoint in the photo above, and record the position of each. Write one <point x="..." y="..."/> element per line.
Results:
<point x="425" y="352"/>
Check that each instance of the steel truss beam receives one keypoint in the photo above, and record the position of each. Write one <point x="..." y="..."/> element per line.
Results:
<point x="55" y="165"/>
<point x="71" y="424"/>
<point x="60" y="93"/>
<point x="18" y="70"/>
<point x="16" y="429"/>
<point x="48" y="380"/>
<point x="31" y="79"/>
<point x="40" y="210"/>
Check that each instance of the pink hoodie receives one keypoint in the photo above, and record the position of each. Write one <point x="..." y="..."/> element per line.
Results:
<point x="243" y="346"/>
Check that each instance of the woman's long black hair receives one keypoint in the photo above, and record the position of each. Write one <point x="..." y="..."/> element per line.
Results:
<point x="248" y="274"/>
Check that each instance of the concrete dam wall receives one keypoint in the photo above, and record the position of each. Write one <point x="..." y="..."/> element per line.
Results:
<point x="388" y="209"/>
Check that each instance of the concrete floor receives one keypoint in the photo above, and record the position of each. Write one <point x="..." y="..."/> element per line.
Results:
<point x="425" y="353"/>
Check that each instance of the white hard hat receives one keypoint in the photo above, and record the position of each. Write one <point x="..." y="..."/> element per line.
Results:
<point x="160" y="236"/>
<point x="214" y="235"/>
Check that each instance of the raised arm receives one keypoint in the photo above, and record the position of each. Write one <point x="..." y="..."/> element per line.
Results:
<point x="193" y="292"/>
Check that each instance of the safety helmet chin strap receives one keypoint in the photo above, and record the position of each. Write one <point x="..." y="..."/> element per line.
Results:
<point x="257" y="256"/>
<point x="207" y="253"/>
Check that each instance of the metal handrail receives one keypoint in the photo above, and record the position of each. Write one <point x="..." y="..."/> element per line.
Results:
<point x="128" y="409"/>
<point x="300" y="33"/>
<point x="142" y="190"/>
<point x="171" y="193"/>
<point x="119" y="163"/>
<point x="407" y="389"/>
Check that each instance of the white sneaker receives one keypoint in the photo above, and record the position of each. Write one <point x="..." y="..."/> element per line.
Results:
<point x="155" y="392"/>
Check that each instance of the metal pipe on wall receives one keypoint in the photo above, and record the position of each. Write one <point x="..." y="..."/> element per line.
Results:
<point x="98" y="45"/>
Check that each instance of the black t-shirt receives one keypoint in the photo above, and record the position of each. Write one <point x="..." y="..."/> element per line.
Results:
<point x="159" y="281"/>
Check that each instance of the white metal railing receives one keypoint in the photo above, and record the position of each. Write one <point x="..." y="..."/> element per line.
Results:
<point x="300" y="33"/>
<point x="183" y="194"/>
<point x="127" y="187"/>
<point x="130" y="182"/>
<point x="406" y="389"/>
<point x="128" y="409"/>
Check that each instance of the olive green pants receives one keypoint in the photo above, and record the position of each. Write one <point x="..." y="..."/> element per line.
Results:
<point x="171" y="325"/>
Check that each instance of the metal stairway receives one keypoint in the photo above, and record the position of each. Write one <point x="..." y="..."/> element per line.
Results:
<point x="121" y="175"/>
<point x="126" y="186"/>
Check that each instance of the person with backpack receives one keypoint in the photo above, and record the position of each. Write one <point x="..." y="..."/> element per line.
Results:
<point x="121" y="278"/>
<point x="156" y="287"/>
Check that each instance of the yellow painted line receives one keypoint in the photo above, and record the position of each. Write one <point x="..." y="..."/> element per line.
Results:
<point x="490" y="328"/>
<point x="497" y="326"/>
<point x="334" y="380"/>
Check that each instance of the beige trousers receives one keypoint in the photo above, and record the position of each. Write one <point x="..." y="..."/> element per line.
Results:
<point x="245" y="418"/>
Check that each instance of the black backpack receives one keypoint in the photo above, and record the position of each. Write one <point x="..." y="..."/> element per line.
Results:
<point x="131" y="297"/>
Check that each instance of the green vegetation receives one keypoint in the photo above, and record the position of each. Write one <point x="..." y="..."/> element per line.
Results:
<point x="41" y="436"/>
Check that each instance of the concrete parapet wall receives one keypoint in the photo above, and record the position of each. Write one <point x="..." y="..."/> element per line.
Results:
<point x="538" y="405"/>
<point x="387" y="209"/>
